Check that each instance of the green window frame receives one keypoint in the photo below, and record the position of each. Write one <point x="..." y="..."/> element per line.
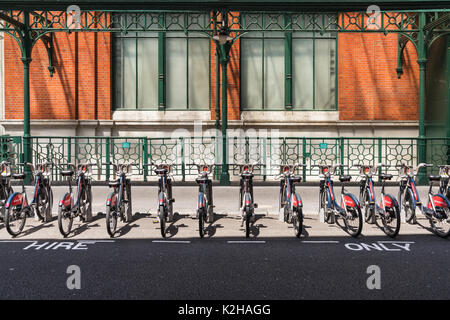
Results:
<point x="290" y="78"/>
<point x="129" y="96"/>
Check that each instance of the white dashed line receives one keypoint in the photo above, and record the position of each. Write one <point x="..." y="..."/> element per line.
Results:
<point x="249" y="241"/>
<point x="317" y="241"/>
<point x="171" y="241"/>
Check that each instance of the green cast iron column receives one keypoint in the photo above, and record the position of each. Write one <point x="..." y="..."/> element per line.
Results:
<point x="448" y="98"/>
<point x="288" y="64"/>
<point x="217" y="90"/>
<point x="26" y="59"/>
<point x="224" y="59"/>
<point x="422" y="61"/>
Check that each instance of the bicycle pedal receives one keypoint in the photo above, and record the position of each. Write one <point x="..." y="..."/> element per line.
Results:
<point x="255" y="205"/>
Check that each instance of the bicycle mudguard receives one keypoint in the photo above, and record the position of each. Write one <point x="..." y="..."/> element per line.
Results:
<point x="36" y="190"/>
<point x="112" y="199"/>
<point x="411" y="196"/>
<point x="371" y="193"/>
<point x="247" y="199"/>
<point x="440" y="201"/>
<point x="350" y="201"/>
<point x="200" y="200"/>
<point x="66" y="200"/>
<point x="14" y="199"/>
<point x="390" y="201"/>
<point x="297" y="200"/>
<point x="161" y="198"/>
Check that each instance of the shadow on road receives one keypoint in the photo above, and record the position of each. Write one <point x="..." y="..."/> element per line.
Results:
<point x="130" y="225"/>
<point x="212" y="227"/>
<point x="87" y="225"/>
<point x="32" y="230"/>
<point x="172" y="229"/>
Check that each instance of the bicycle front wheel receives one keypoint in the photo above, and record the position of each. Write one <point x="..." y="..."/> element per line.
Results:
<point x="248" y="216"/>
<point x="65" y="221"/>
<point x="369" y="211"/>
<point x="15" y="218"/>
<point x="391" y="221"/>
<point x="297" y="222"/>
<point x="162" y="220"/>
<point x="353" y="221"/>
<point x="111" y="220"/>
<point x="201" y="222"/>
<point x="410" y="210"/>
<point x="440" y="222"/>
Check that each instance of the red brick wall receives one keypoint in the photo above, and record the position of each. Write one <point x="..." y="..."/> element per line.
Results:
<point x="80" y="87"/>
<point x="368" y="87"/>
<point x="233" y="83"/>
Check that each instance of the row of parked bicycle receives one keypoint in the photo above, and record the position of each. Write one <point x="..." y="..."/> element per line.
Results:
<point x="15" y="207"/>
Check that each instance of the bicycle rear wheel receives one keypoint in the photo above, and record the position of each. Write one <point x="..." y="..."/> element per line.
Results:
<point x="65" y="221"/>
<point x="111" y="220"/>
<point x="15" y="218"/>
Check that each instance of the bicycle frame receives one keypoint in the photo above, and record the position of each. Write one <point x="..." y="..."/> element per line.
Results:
<point x="292" y="200"/>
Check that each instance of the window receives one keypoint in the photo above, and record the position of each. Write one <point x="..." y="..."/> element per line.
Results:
<point x="263" y="71"/>
<point x="136" y="70"/>
<point x="313" y="72"/>
<point x="186" y="72"/>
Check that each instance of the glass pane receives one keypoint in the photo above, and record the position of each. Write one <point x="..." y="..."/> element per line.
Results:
<point x="302" y="73"/>
<point x="251" y="74"/>
<point x="148" y="73"/>
<point x="198" y="74"/>
<point x="118" y="76"/>
<point x="176" y="69"/>
<point x="129" y="73"/>
<point x="325" y="74"/>
<point x="274" y="74"/>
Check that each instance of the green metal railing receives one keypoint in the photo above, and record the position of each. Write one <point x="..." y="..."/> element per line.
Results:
<point x="263" y="150"/>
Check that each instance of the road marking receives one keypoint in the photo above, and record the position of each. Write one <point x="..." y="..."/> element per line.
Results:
<point x="171" y="241"/>
<point x="248" y="241"/>
<point x="318" y="241"/>
<point x="380" y="246"/>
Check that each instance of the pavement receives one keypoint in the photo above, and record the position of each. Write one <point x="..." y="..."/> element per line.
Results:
<point x="325" y="263"/>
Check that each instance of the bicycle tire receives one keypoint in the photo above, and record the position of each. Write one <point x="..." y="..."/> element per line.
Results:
<point x="436" y="229"/>
<point x="201" y="222"/>
<point x="111" y="220"/>
<point x="369" y="211"/>
<point x="10" y="212"/>
<point x="396" y="215"/>
<point x="64" y="215"/>
<point x="297" y="222"/>
<point x="162" y="220"/>
<point x="410" y="211"/>
<point x="354" y="232"/>
<point x="248" y="215"/>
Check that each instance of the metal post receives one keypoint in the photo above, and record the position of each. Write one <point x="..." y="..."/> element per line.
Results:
<point x="162" y="67"/>
<point x="224" y="58"/>
<point x="422" y="61"/>
<point x="26" y="60"/>
<point x="288" y="65"/>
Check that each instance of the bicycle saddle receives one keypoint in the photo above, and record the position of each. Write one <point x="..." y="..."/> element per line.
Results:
<point x="19" y="176"/>
<point x="161" y="171"/>
<point x="345" y="178"/>
<point x="296" y="179"/>
<point x="385" y="176"/>
<point x="113" y="183"/>
<point x="247" y="175"/>
<point x="200" y="180"/>
<point x="66" y="173"/>
<point x="434" y="178"/>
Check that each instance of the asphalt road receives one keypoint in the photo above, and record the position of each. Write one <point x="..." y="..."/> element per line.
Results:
<point x="325" y="263"/>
